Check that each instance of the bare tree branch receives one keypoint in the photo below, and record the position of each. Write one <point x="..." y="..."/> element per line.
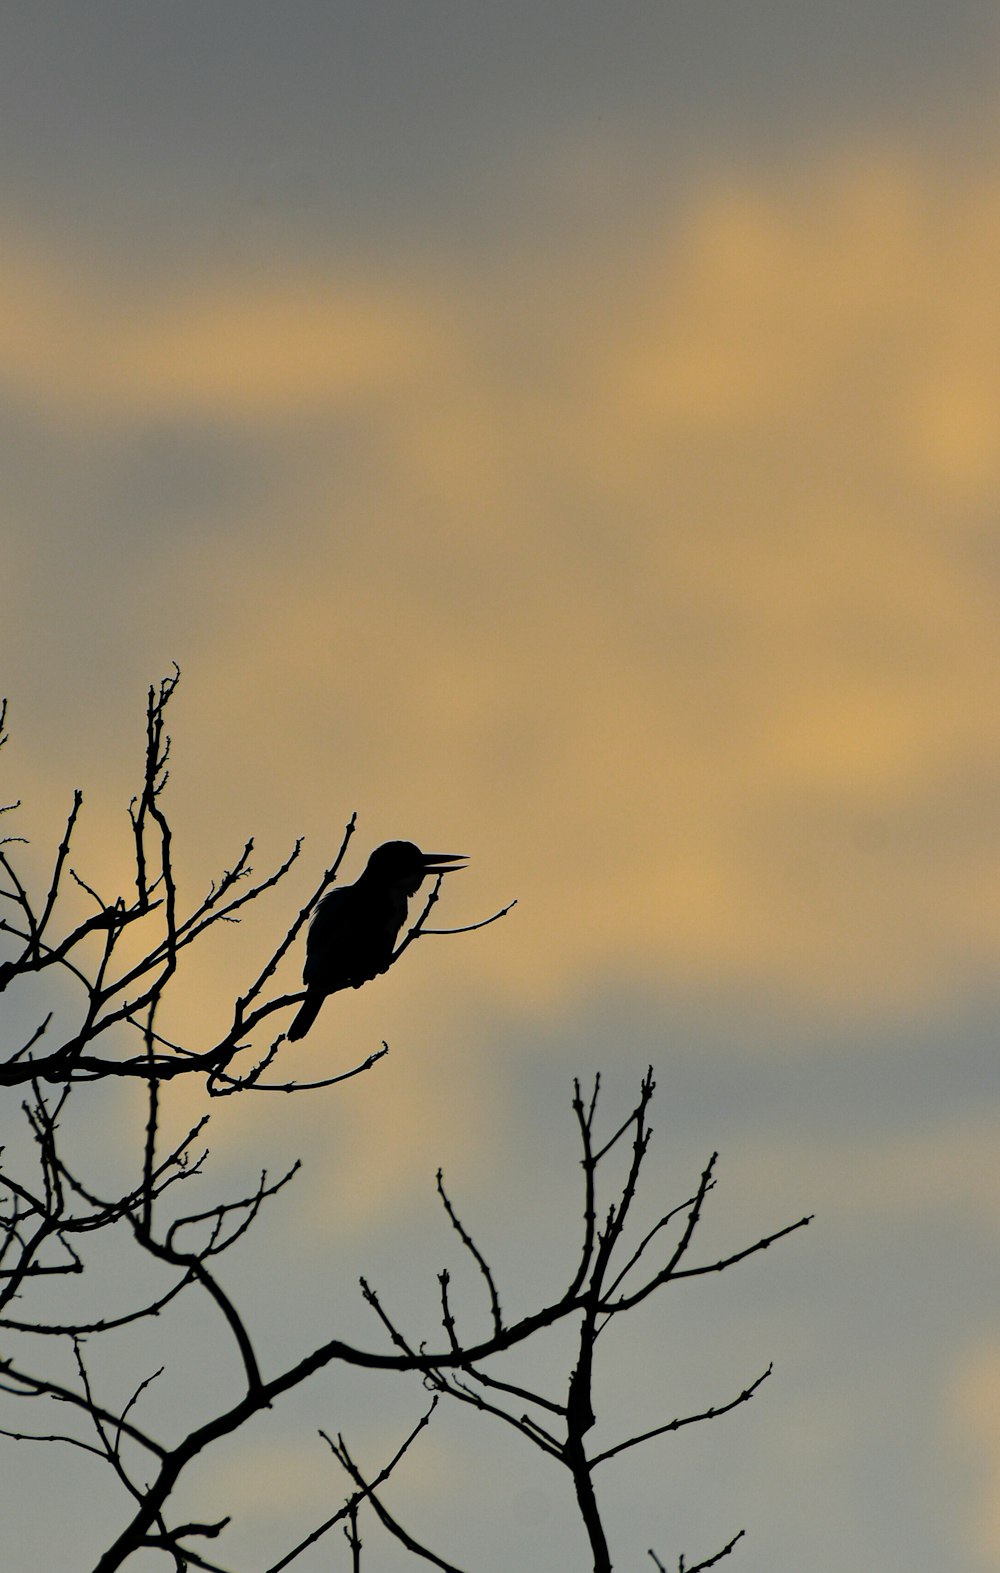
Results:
<point x="121" y="965"/>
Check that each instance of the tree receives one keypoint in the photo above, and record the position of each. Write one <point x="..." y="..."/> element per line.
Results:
<point x="119" y="960"/>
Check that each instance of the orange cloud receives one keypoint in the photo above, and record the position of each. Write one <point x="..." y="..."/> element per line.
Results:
<point x="660" y="587"/>
<point x="233" y="349"/>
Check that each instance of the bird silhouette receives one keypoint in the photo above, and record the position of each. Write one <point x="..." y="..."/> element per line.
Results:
<point x="353" y="933"/>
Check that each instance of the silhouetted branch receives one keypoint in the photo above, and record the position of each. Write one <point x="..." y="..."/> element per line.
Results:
<point x="476" y="1254"/>
<point x="700" y="1567"/>
<point x="21" y="1384"/>
<point x="686" y="1420"/>
<point x="350" y="1507"/>
<point x="417" y="930"/>
<point x="222" y="1085"/>
<point x="343" y="1457"/>
<point x="469" y="928"/>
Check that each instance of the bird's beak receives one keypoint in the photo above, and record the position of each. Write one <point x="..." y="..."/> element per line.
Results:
<point x="442" y="862"/>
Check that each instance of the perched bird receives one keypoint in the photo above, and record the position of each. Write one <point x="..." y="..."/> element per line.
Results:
<point x="353" y="934"/>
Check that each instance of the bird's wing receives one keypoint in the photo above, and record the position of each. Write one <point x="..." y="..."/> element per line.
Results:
<point x="352" y="936"/>
<point x="330" y="945"/>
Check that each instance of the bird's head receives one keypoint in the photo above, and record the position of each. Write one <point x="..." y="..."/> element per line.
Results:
<point x="402" y="863"/>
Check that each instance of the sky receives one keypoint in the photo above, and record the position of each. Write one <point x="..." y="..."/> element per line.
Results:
<point x="566" y="435"/>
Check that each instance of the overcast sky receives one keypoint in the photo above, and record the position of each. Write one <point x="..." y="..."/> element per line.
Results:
<point x="568" y="435"/>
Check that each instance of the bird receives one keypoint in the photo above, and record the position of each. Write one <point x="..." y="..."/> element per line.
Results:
<point x="353" y="933"/>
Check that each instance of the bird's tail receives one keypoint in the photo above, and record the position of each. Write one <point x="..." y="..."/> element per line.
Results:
<point x="308" y="1012"/>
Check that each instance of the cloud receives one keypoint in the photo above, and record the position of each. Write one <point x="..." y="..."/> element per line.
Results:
<point x="239" y="350"/>
<point x="683" y="608"/>
<point x="658" y="579"/>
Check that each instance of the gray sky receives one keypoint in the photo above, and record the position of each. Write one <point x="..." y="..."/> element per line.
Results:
<point x="568" y="434"/>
